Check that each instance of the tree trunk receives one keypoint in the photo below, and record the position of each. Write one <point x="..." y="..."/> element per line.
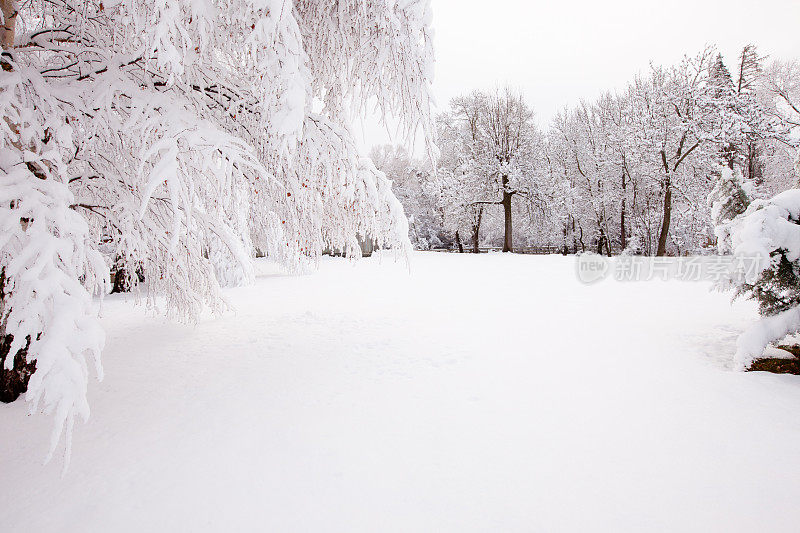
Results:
<point x="458" y="242"/>
<point x="602" y="242"/>
<point x="574" y="238"/>
<point x="754" y="166"/>
<point x="13" y="381"/>
<point x="662" y="237"/>
<point x="623" y="237"/>
<point x="476" y="229"/>
<point x="9" y="28"/>
<point x="122" y="282"/>
<point x="508" y="245"/>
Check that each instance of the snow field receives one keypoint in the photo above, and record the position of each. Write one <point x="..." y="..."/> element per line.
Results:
<point x="473" y="393"/>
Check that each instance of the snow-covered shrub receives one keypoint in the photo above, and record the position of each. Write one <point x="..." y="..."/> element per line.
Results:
<point x="766" y="241"/>
<point x="170" y="138"/>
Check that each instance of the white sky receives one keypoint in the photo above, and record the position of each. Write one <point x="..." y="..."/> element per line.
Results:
<point x="560" y="51"/>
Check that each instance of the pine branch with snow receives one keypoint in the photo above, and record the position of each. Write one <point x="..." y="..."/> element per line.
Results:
<point x="766" y="240"/>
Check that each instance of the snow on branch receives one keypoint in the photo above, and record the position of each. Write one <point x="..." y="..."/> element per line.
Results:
<point x="767" y="238"/>
<point x="171" y="138"/>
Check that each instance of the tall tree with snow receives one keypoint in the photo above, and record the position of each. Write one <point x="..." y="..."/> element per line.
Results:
<point x="173" y="138"/>
<point x="493" y="140"/>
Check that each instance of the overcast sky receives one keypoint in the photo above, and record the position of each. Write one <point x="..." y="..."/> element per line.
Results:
<point x="560" y="51"/>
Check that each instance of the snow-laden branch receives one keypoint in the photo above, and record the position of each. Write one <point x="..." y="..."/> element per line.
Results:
<point x="174" y="137"/>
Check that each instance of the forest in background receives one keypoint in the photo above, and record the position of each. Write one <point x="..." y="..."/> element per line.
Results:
<point x="630" y="172"/>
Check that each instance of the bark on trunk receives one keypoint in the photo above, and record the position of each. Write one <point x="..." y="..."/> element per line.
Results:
<point x="575" y="239"/>
<point x="458" y="242"/>
<point x="623" y="237"/>
<point x="121" y="281"/>
<point x="476" y="229"/>
<point x="602" y="243"/>
<point x="508" y="245"/>
<point x="13" y="381"/>
<point x="662" y="236"/>
<point x="754" y="167"/>
<point x="9" y="28"/>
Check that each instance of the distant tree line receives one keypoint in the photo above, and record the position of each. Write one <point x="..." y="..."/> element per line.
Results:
<point x="629" y="172"/>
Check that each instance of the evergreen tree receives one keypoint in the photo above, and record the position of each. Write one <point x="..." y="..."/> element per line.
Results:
<point x="728" y="198"/>
<point x="765" y="238"/>
<point x="777" y="289"/>
<point x="723" y="100"/>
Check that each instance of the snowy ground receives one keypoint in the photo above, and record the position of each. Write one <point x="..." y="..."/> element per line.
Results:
<point x="478" y="393"/>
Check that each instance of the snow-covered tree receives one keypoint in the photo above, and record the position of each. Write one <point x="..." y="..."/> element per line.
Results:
<point x="633" y="169"/>
<point x="489" y="144"/>
<point x="728" y="199"/>
<point x="627" y="172"/>
<point x="779" y="92"/>
<point x="414" y="186"/>
<point x="583" y="151"/>
<point x="766" y="239"/>
<point x="172" y="138"/>
<point x="461" y="179"/>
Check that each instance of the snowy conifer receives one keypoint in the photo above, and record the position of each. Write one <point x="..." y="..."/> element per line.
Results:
<point x="766" y="241"/>
<point x="727" y="200"/>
